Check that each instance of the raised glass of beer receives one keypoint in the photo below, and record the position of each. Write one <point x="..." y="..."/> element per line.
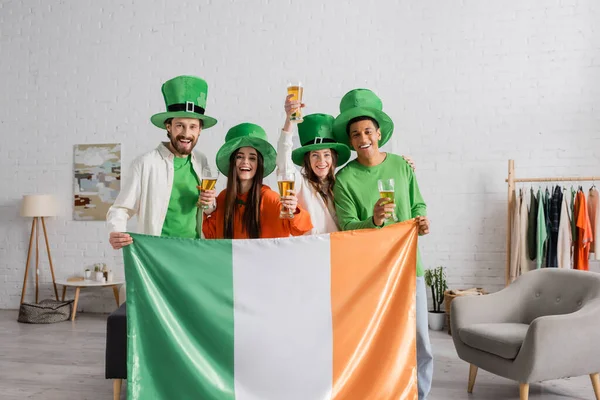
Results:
<point x="386" y="191"/>
<point x="286" y="181"/>
<point x="296" y="89"/>
<point x="210" y="174"/>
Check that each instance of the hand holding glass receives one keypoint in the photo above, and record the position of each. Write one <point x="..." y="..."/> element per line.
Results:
<point x="296" y="90"/>
<point x="210" y="174"/>
<point x="386" y="191"/>
<point x="286" y="182"/>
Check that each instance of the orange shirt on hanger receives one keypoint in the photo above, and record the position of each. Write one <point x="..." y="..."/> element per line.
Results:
<point x="584" y="233"/>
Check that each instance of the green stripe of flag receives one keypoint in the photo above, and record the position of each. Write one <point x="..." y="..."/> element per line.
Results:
<point x="179" y="323"/>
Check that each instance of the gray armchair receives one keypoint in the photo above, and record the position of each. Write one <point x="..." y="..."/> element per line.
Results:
<point x="545" y="325"/>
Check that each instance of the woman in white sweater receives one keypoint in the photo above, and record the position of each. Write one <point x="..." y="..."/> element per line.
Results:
<point x="319" y="156"/>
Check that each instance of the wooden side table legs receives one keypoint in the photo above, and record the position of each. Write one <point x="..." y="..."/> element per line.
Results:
<point x="77" y="290"/>
<point x="116" y="292"/>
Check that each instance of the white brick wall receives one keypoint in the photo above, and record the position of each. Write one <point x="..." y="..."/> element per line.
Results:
<point x="468" y="83"/>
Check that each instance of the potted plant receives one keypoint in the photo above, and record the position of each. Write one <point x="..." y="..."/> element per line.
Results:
<point x="436" y="279"/>
<point x="88" y="274"/>
<point x="98" y="273"/>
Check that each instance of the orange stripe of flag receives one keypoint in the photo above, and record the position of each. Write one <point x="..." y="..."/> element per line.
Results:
<point x="373" y="283"/>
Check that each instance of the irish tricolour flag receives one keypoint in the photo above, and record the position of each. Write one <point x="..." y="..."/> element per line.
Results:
<point x="306" y="318"/>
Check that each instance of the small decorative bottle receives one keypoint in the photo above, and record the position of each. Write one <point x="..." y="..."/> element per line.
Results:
<point x="109" y="277"/>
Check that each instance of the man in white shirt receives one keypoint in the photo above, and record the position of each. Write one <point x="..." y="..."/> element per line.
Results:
<point x="161" y="186"/>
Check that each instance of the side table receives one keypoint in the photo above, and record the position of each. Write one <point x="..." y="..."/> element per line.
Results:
<point x="80" y="284"/>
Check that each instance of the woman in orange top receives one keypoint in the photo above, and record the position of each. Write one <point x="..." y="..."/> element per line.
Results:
<point x="247" y="208"/>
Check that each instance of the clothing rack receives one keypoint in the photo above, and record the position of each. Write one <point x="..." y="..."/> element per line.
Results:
<point x="511" y="189"/>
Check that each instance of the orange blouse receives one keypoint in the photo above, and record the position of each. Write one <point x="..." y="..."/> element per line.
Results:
<point x="584" y="234"/>
<point x="270" y="224"/>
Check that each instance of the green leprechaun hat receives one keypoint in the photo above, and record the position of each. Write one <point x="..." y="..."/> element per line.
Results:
<point x="362" y="103"/>
<point x="246" y="135"/>
<point x="185" y="97"/>
<point x="316" y="133"/>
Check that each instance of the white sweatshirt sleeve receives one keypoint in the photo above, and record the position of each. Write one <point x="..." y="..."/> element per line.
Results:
<point x="284" y="152"/>
<point x="127" y="203"/>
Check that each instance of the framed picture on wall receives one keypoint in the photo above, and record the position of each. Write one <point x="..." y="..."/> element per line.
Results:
<point x="96" y="178"/>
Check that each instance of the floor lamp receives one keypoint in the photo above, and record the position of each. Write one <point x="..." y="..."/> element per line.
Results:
<point x="38" y="206"/>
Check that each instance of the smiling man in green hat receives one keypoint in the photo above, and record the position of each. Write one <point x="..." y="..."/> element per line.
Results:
<point x="364" y="127"/>
<point x="161" y="185"/>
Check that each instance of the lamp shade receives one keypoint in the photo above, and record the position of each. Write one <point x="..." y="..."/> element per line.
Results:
<point x="39" y="205"/>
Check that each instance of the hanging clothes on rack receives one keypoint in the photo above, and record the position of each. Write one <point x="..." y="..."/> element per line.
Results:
<point x="573" y="217"/>
<point x="594" y="213"/>
<point x="547" y="200"/>
<point x="536" y="237"/>
<point x="532" y="225"/>
<point x="565" y="238"/>
<point x="554" y="204"/>
<point x="515" y="239"/>
<point x="523" y="218"/>
<point x="584" y="233"/>
<point x="542" y="233"/>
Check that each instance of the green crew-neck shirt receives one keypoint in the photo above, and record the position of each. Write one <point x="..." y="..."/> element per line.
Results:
<point x="356" y="192"/>
<point x="180" y="220"/>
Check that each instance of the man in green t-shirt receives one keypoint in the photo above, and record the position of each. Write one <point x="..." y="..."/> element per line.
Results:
<point x="161" y="186"/>
<point x="364" y="127"/>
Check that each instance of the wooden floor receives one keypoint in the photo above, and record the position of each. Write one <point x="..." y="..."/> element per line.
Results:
<point x="65" y="361"/>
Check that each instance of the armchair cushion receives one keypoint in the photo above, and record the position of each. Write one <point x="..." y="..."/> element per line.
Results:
<point x="503" y="339"/>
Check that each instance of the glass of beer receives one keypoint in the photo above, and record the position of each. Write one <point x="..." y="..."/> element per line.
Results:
<point x="296" y="89"/>
<point x="386" y="191"/>
<point x="210" y="174"/>
<point x="286" y="181"/>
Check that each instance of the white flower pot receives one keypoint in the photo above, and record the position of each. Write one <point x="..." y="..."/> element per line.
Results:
<point x="99" y="276"/>
<point x="436" y="320"/>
